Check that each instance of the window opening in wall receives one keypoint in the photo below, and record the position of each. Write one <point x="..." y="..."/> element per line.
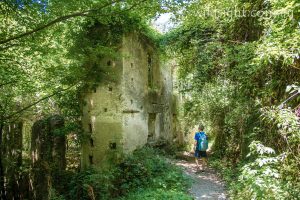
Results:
<point x="109" y="63"/>
<point x="105" y="109"/>
<point x="110" y="88"/>
<point x="151" y="125"/>
<point x="131" y="79"/>
<point x="91" y="159"/>
<point x="113" y="145"/>
<point x="91" y="142"/>
<point x="150" y="70"/>
<point x="90" y="128"/>
<point x="95" y="90"/>
<point x="131" y="101"/>
<point x="131" y="64"/>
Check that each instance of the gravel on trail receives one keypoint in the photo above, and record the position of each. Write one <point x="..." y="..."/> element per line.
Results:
<point x="206" y="185"/>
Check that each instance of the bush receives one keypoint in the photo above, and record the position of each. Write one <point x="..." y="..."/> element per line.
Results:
<point x="143" y="174"/>
<point x="150" y="194"/>
<point x="146" y="168"/>
<point x="92" y="184"/>
<point x="262" y="176"/>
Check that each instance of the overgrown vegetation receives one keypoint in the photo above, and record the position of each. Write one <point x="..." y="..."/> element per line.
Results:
<point x="143" y="175"/>
<point x="50" y="52"/>
<point x="239" y="71"/>
<point x="239" y="63"/>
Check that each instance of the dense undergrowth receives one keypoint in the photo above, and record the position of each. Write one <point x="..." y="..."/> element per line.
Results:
<point x="146" y="174"/>
<point x="266" y="173"/>
<point x="239" y="76"/>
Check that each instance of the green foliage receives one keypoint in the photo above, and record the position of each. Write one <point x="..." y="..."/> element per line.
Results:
<point x="53" y="195"/>
<point x="146" y="168"/>
<point x="238" y="60"/>
<point x="151" y="194"/>
<point x="50" y="52"/>
<point x="265" y="174"/>
<point x="260" y="179"/>
<point x="92" y="184"/>
<point x="145" y="174"/>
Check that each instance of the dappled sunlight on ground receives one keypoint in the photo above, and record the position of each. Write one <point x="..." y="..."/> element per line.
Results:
<point x="206" y="185"/>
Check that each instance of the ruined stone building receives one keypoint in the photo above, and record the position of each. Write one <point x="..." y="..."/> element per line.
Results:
<point x="135" y="109"/>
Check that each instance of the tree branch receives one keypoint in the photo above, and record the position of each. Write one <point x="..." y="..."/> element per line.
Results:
<point x="288" y="99"/>
<point x="35" y="103"/>
<point x="57" y="20"/>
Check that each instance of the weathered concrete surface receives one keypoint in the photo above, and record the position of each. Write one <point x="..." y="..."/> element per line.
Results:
<point x="137" y="108"/>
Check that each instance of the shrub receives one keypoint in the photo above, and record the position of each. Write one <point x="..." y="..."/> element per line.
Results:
<point x="143" y="174"/>
<point x="146" y="168"/>
<point x="150" y="194"/>
<point x="93" y="184"/>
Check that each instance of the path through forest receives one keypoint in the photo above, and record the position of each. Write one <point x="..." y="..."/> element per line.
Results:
<point x="206" y="185"/>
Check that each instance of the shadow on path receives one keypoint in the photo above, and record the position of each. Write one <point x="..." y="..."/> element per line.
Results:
<point x="206" y="185"/>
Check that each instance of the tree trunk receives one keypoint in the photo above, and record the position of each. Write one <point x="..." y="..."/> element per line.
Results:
<point x="12" y="143"/>
<point x="56" y="124"/>
<point x="2" y="190"/>
<point x="41" y="153"/>
<point x="220" y="138"/>
<point x="48" y="147"/>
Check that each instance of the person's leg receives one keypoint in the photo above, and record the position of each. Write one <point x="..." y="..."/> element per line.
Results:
<point x="203" y="159"/>
<point x="197" y="159"/>
<point x="197" y="162"/>
<point x="204" y="163"/>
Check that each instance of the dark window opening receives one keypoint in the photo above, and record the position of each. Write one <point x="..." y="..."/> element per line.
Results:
<point x="105" y="109"/>
<point x="150" y="71"/>
<point x="113" y="145"/>
<point x="151" y="125"/>
<point x="91" y="159"/>
<point x="109" y="63"/>
<point x="131" y="101"/>
<point x="95" y="90"/>
<point x="90" y="128"/>
<point x="131" y="64"/>
<point x="142" y="107"/>
<point x="91" y="142"/>
<point x="131" y="79"/>
<point x="110" y="89"/>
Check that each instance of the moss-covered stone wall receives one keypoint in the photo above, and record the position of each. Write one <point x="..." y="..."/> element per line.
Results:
<point x="133" y="109"/>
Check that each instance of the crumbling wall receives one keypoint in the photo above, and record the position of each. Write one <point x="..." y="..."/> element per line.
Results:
<point x="135" y="89"/>
<point x="121" y="116"/>
<point x="102" y="119"/>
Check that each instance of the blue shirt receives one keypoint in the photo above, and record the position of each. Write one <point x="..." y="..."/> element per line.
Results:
<point x="200" y="135"/>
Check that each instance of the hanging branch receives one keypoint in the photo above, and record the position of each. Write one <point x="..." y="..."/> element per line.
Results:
<point x="64" y="18"/>
<point x="288" y="99"/>
<point x="55" y="21"/>
<point x="36" y="102"/>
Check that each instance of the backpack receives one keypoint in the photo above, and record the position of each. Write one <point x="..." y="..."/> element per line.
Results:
<point x="202" y="142"/>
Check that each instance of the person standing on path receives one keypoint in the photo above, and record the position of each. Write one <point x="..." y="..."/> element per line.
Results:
<point x="200" y="147"/>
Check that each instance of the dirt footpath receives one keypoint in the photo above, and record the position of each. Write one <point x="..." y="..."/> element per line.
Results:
<point x="206" y="185"/>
